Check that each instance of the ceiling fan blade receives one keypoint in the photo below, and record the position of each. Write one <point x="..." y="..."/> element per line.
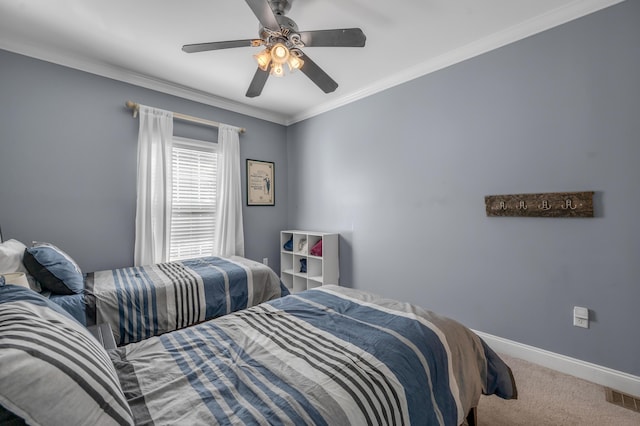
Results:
<point x="317" y="75"/>
<point x="347" y="37"/>
<point x="216" y="45"/>
<point x="257" y="84"/>
<point x="265" y="15"/>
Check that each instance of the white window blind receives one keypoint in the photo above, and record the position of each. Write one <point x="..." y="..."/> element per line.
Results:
<point x="193" y="221"/>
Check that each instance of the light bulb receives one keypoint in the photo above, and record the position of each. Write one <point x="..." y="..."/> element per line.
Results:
<point x="279" y="53"/>
<point x="277" y="70"/>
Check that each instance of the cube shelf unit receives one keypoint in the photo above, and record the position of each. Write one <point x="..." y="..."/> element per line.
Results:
<point x="321" y="270"/>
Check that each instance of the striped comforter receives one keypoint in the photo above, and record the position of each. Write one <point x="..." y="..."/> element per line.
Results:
<point x="328" y="356"/>
<point x="140" y="302"/>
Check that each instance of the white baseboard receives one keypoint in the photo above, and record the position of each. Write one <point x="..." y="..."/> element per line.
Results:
<point x="618" y="380"/>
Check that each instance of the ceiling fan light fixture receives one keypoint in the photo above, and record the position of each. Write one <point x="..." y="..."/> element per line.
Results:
<point x="264" y="59"/>
<point x="279" y="53"/>
<point x="295" y="63"/>
<point x="277" y="70"/>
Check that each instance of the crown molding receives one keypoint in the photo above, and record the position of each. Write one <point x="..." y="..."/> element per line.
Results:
<point x="559" y="16"/>
<point x="127" y="76"/>
<point x="553" y="18"/>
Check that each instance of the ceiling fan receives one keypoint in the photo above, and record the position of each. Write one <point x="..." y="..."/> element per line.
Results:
<point x="283" y="45"/>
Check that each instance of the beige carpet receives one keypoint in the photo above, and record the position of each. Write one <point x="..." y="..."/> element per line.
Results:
<point x="549" y="398"/>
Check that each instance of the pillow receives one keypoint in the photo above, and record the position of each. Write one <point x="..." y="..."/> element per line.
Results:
<point x="11" y="253"/>
<point x="54" y="269"/>
<point x="53" y="370"/>
<point x="16" y="278"/>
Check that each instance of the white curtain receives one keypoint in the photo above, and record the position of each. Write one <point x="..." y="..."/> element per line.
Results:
<point x="153" y="212"/>
<point x="229" y="236"/>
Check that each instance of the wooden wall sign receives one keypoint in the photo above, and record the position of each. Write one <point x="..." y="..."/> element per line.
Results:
<point x="550" y="204"/>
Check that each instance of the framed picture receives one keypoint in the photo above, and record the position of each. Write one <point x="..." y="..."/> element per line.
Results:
<point x="260" y="183"/>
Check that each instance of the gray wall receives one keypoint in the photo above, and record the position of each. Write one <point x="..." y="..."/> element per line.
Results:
<point x="68" y="161"/>
<point x="402" y="176"/>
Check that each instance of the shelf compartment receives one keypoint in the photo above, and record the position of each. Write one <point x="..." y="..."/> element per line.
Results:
<point x="287" y="280"/>
<point x="299" y="284"/>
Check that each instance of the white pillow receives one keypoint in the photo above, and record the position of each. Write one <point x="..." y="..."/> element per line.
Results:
<point x="11" y="254"/>
<point x="16" y="278"/>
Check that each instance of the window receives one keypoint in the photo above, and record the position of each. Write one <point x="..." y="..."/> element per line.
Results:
<point x="193" y="221"/>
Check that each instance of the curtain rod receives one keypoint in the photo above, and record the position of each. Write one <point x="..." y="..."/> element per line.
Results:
<point x="135" y="107"/>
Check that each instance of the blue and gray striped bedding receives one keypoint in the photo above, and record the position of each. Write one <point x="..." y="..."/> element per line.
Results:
<point x="140" y="302"/>
<point x="328" y="356"/>
<point x="52" y="370"/>
<point x="80" y="306"/>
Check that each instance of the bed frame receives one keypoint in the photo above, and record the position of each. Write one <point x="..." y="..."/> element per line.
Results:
<point x="472" y="417"/>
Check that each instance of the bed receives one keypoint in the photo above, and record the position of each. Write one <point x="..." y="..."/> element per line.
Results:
<point x="324" y="356"/>
<point x="141" y="302"/>
<point x="145" y="301"/>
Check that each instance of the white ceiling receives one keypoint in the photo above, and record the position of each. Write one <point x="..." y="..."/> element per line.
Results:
<point x="140" y="42"/>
